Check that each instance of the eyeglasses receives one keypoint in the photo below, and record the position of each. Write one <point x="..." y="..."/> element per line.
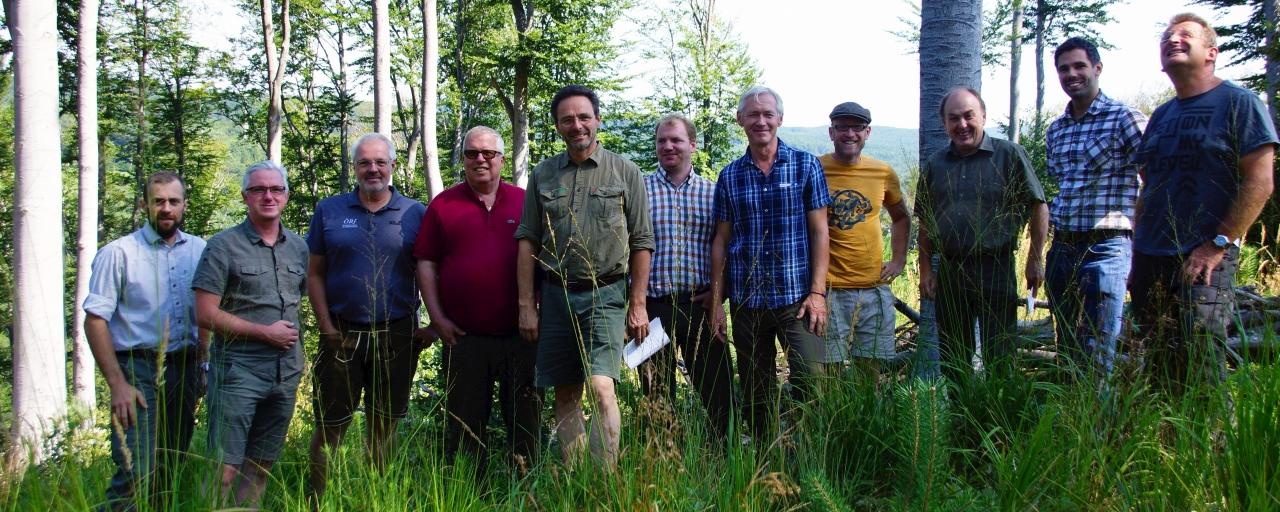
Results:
<point x="367" y="163"/>
<point x="488" y="154"/>
<point x="857" y="128"/>
<point x="262" y="191"/>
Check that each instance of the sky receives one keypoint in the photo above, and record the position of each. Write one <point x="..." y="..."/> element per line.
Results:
<point x="818" y="53"/>
<point x="823" y="52"/>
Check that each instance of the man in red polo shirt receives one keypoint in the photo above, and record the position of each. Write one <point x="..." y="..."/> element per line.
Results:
<point x="467" y="273"/>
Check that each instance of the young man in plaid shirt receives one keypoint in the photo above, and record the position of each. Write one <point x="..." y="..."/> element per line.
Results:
<point x="680" y="204"/>
<point x="1092" y="153"/>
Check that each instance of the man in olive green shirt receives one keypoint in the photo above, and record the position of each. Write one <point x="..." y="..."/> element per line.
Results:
<point x="586" y="220"/>
<point x="248" y="286"/>
<point x="973" y="198"/>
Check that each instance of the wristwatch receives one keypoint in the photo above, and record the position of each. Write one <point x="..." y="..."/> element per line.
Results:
<point x="1222" y="241"/>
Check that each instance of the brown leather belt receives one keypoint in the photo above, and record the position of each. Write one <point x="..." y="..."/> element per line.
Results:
<point x="1092" y="236"/>
<point x="583" y="285"/>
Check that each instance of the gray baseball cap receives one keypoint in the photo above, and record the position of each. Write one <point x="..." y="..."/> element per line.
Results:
<point x="851" y="109"/>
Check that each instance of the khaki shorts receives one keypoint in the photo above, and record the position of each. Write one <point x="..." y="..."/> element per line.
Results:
<point x="860" y="323"/>
<point x="581" y="334"/>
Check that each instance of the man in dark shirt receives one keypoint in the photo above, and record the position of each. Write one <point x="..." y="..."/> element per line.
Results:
<point x="973" y="198"/>
<point x="248" y="285"/>
<point x="1207" y="161"/>
<point x="466" y="254"/>
<point x="362" y="288"/>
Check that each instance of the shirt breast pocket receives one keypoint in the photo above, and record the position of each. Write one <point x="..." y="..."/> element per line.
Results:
<point x="606" y="202"/>
<point x="1099" y="152"/>
<point x="254" y="280"/>
<point x="555" y="203"/>
<point x="291" y="283"/>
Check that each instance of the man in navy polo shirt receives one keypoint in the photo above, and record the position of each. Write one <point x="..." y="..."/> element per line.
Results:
<point x="466" y="254"/>
<point x="362" y="288"/>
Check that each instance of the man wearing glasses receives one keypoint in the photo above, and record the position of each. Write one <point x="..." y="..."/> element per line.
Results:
<point x="861" y="321"/>
<point x="362" y="289"/>
<point x="248" y="285"/>
<point x="586" y="220"/>
<point x="466" y="253"/>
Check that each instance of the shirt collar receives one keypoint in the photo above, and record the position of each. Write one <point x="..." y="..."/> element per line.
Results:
<point x="985" y="146"/>
<point x="783" y="155"/>
<point x="662" y="176"/>
<point x="152" y="237"/>
<point x="1102" y="101"/>
<point x="353" y="199"/>
<point x="497" y="194"/>
<point x="247" y="228"/>
<point x="594" y="157"/>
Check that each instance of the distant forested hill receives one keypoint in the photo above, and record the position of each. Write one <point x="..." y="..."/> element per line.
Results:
<point x="897" y="146"/>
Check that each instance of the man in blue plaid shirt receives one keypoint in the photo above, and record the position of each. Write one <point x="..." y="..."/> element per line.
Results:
<point x="680" y="204"/>
<point x="771" y="236"/>
<point x="1092" y="153"/>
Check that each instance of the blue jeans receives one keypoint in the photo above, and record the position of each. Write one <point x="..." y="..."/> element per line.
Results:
<point x="153" y="446"/>
<point x="1086" y="285"/>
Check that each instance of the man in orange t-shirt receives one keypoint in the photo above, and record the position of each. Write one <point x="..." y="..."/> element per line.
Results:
<point x="861" y="321"/>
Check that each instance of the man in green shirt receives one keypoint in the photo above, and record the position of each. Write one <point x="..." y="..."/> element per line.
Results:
<point x="972" y="198"/>
<point x="248" y="285"/>
<point x="586" y="220"/>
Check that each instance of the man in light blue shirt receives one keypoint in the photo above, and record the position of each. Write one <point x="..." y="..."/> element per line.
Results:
<point x="141" y="322"/>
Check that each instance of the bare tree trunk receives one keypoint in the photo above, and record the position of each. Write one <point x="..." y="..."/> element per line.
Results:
<point x="82" y="369"/>
<point x="460" y="76"/>
<point x="39" y="350"/>
<point x="430" y="92"/>
<point x="950" y="56"/>
<point x="344" y="123"/>
<point x="179" y="127"/>
<point x="275" y="72"/>
<point x="1273" y="56"/>
<point x="414" y="137"/>
<point x="381" y="67"/>
<point x="1015" y="67"/>
<point x="140" y="107"/>
<point x="517" y="104"/>
<point x="1041" y="18"/>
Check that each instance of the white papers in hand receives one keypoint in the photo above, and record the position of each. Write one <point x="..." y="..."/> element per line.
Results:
<point x="633" y="354"/>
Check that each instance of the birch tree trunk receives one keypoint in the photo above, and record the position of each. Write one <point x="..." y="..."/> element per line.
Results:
<point x="381" y="67"/>
<point x="275" y="72"/>
<point x="430" y="93"/>
<point x="82" y="366"/>
<point x="39" y="349"/>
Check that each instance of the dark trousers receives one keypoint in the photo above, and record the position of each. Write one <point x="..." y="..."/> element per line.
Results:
<point x="162" y="432"/>
<point x="754" y="331"/>
<point x="706" y="359"/>
<point x="1183" y="327"/>
<point x="471" y="367"/>
<point x="981" y="288"/>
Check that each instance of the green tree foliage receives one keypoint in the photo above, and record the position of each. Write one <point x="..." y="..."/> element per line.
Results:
<point x="1244" y="42"/>
<point x="704" y="69"/>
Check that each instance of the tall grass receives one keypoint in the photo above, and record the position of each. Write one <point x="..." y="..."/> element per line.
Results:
<point x="994" y="443"/>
